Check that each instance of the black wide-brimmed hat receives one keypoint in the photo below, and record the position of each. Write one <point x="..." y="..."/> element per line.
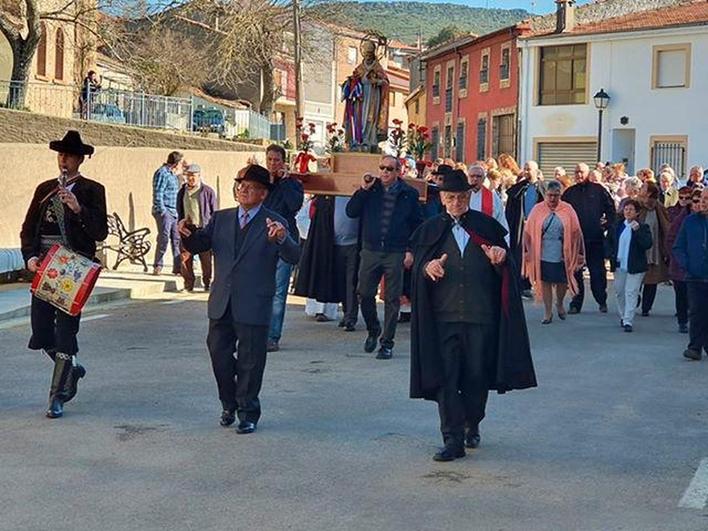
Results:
<point x="71" y="144"/>
<point x="257" y="174"/>
<point x="442" y="169"/>
<point x="455" y="181"/>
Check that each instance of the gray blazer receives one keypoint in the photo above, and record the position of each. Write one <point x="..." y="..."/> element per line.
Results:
<point x="246" y="280"/>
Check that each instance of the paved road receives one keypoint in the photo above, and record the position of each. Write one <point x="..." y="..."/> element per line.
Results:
<point x="610" y="440"/>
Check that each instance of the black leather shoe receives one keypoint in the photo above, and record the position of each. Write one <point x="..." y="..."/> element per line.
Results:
<point x="628" y="328"/>
<point x="272" y="346"/>
<point x="62" y="372"/>
<point x="228" y="417"/>
<point x="449" y="454"/>
<point x="472" y="438"/>
<point x="573" y="310"/>
<point x="244" y="427"/>
<point x="342" y="323"/>
<point x="349" y="327"/>
<point x="384" y="353"/>
<point x="322" y="318"/>
<point x="371" y="340"/>
<point x="603" y="308"/>
<point x="645" y="313"/>
<point x="404" y="317"/>
<point x="683" y="328"/>
<point x="692" y="354"/>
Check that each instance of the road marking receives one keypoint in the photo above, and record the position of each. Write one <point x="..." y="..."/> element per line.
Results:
<point x="94" y="317"/>
<point x="696" y="494"/>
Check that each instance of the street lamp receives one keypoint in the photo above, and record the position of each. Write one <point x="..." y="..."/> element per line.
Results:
<point x="602" y="99"/>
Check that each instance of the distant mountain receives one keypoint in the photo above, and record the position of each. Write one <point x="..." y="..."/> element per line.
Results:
<point x="403" y="20"/>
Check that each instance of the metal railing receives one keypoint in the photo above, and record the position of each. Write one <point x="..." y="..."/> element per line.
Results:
<point x="126" y="107"/>
<point x="45" y="98"/>
<point x="137" y="109"/>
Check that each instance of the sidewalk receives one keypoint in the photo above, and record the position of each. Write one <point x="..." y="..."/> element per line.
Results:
<point x="111" y="286"/>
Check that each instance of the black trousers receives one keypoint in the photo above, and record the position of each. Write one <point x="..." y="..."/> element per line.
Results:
<point x="681" y="296"/>
<point x="697" y="316"/>
<point x="52" y="329"/>
<point x="346" y="263"/>
<point x="373" y="266"/>
<point x="239" y="378"/>
<point x="465" y="349"/>
<point x="517" y="253"/>
<point x="595" y="261"/>
<point x="648" y="297"/>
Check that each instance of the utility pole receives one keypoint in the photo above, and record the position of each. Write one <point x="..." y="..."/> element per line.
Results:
<point x="299" y="90"/>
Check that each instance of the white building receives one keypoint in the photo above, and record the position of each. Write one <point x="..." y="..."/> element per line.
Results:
<point x="652" y="65"/>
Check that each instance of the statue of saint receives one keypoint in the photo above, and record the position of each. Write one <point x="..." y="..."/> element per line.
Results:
<point x="365" y="93"/>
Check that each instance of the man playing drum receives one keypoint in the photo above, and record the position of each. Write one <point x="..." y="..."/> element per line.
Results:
<point x="70" y="211"/>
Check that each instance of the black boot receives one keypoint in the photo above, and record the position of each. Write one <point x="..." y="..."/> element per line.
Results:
<point x="72" y="382"/>
<point x="62" y="371"/>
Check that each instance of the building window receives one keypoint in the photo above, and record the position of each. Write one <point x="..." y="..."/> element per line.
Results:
<point x="504" y="67"/>
<point x="59" y="56"/>
<point x="503" y="135"/>
<point x="484" y="70"/>
<point x="464" y="73"/>
<point x="42" y="51"/>
<point x="417" y="106"/>
<point x="563" y="74"/>
<point x="460" y="142"/>
<point x="435" y="142"/>
<point x="481" y="138"/>
<point x="436" y="84"/>
<point x="392" y="101"/>
<point x="449" y="84"/>
<point x="351" y="55"/>
<point x="671" y="66"/>
<point x="448" y="141"/>
<point x="669" y="150"/>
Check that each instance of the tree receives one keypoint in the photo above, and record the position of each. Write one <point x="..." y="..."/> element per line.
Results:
<point x="446" y="34"/>
<point x="20" y="24"/>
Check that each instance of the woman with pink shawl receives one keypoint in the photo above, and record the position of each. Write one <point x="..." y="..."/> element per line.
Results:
<point x="553" y="250"/>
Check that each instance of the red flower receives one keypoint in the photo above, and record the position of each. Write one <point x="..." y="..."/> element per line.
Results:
<point x="52" y="273"/>
<point x="396" y="121"/>
<point x="422" y="129"/>
<point x="305" y="137"/>
<point x="411" y="125"/>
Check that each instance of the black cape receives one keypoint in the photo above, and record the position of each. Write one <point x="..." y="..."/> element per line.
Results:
<point x="316" y="278"/>
<point x="515" y="211"/>
<point x="513" y="368"/>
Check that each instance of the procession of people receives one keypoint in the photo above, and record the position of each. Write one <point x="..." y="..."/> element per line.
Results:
<point x="460" y="254"/>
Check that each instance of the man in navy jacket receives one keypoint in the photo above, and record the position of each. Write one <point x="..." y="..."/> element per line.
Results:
<point x="389" y="213"/>
<point x="691" y="251"/>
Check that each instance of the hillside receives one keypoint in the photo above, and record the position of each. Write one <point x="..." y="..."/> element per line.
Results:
<point x="403" y="20"/>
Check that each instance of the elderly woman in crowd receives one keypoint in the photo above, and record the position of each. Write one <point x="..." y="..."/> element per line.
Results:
<point x="632" y="186"/>
<point x="646" y="175"/>
<point x="667" y="184"/>
<point x="628" y="243"/>
<point x="654" y="214"/>
<point x="553" y="250"/>
<point x="677" y="274"/>
<point x="695" y="176"/>
<point x="560" y="175"/>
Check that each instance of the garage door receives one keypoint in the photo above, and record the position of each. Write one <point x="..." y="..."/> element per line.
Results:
<point x="566" y="154"/>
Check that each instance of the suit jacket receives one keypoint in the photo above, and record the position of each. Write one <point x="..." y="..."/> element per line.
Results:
<point x="83" y="230"/>
<point x="206" y="200"/>
<point x="243" y="279"/>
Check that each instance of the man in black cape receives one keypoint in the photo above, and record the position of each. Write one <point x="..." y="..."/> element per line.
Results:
<point x="468" y="332"/>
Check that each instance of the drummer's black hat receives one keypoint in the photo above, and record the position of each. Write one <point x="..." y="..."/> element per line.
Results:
<point x="71" y="144"/>
<point x="257" y="174"/>
<point x="455" y="181"/>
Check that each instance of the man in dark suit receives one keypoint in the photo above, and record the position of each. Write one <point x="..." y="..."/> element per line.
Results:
<point x="246" y="242"/>
<point x="70" y="211"/>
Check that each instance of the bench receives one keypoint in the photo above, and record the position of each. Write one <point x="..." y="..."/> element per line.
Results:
<point x="132" y="246"/>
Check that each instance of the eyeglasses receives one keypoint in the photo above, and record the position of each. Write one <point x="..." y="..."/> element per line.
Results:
<point x="387" y="168"/>
<point x="248" y="187"/>
<point x="696" y="201"/>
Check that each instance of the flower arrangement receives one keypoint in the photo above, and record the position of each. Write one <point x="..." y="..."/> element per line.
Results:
<point x="396" y="139"/>
<point x="304" y="156"/>
<point x="335" y="139"/>
<point x="417" y="141"/>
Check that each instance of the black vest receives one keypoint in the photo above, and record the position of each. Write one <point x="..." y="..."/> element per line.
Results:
<point x="469" y="292"/>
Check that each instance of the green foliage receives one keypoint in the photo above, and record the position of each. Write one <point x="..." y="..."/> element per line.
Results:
<point x="446" y="34"/>
<point x="403" y="20"/>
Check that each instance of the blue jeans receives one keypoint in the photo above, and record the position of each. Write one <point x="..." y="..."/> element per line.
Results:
<point x="282" y="283"/>
<point x="167" y="233"/>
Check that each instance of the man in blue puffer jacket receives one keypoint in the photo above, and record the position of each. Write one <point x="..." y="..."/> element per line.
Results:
<point x="691" y="251"/>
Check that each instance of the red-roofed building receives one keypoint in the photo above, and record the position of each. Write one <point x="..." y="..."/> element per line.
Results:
<point x="472" y="93"/>
<point x="649" y="63"/>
